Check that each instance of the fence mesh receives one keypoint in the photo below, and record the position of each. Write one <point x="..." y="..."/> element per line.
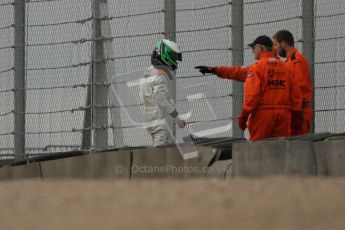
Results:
<point x="203" y="31"/>
<point x="58" y="57"/>
<point x="135" y="26"/>
<point x="6" y="77"/>
<point x="59" y="71"/>
<point x="267" y="17"/>
<point x="329" y="66"/>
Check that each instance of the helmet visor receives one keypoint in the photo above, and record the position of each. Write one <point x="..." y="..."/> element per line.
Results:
<point x="171" y="54"/>
<point x="174" y="55"/>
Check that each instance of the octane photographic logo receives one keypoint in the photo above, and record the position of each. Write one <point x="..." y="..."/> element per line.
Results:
<point x="185" y="145"/>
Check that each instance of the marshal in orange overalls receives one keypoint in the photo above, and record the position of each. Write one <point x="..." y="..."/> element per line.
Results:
<point x="239" y="73"/>
<point x="298" y="63"/>
<point x="269" y="96"/>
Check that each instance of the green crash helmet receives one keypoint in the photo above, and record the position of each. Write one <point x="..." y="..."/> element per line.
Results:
<point x="169" y="53"/>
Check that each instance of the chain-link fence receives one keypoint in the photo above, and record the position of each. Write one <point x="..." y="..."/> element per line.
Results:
<point x="83" y="60"/>
<point x="6" y="77"/>
<point x="329" y="66"/>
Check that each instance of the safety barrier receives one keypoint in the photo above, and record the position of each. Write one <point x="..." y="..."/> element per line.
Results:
<point x="167" y="162"/>
<point x="251" y="159"/>
<point x="273" y="158"/>
<point x="140" y="163"/>
<point x="20" y="172"/>
<point x="90" y="166"/>
<point x="330" y="157"/>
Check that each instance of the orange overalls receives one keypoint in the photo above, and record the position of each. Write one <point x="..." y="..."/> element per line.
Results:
<point x="269" y="96"/>
<point x="237" y="73"/>
<point x="298" y="63"/>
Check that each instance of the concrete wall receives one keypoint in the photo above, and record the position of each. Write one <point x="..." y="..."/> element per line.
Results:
<point x="220" y="169"/>
<point x="20" y="172"/>
<point x="93" y="166"/>
<point x="330" y="157"/>
<point x="168" y="162"/>
<point x="273" y="158"/>
<point x="141" y="163"/>
<point x="263" y="158"/>
<point x="290" y="158"/>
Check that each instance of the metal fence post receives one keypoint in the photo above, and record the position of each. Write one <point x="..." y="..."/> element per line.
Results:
<point x="237" y="59"/>
<point x="170" y="33"/>
<point x="19" y="79"/>
<point x="97" y="98"/>
<point x="309" y="43"/>
<point x="114" y="101"/>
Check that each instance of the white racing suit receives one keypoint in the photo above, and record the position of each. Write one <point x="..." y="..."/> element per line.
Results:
<point x="159" y="107"/>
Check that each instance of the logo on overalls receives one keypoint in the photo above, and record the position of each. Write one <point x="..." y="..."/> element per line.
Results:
<point x="276" y="83"/>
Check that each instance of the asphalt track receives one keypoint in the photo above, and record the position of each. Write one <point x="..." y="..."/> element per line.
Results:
<point x="270" y="203"/>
